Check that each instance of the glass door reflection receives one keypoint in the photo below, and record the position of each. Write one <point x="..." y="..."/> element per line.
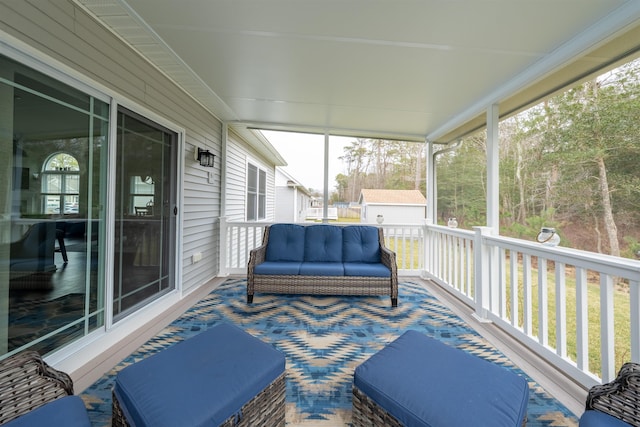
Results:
<point x="145" y="219"/>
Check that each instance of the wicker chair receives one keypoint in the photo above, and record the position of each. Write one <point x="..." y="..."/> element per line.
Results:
<point x="621" y="397"/>
<point x="27" y="382"/>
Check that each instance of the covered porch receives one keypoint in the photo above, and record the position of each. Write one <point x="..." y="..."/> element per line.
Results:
<point x="460" y="73"/>
<point x="430" y="72"/>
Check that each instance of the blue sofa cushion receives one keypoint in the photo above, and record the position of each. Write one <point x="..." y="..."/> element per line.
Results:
<point x="323" y="243"/>
<point x="68" y="411"/>
<point x="423" y="382"/>
<point x="366" y="269"/>
<point x="600" y="419"/>
<point x="360" y="244"/>
<point x="286" y="243"/>
<point x="201" y="381"/>
<point x="276" y="268"/>
<point x="321" y="269"/>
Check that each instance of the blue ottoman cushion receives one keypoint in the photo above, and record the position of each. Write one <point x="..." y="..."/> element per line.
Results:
<point x="423" y="382"/>
<point x="201" y="381"/>
<point x="68" y="411"/>
<point x="600" y="419"/>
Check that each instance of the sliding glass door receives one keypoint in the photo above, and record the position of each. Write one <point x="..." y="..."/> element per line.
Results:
<point x="56" y="179"/>
<point x="53" y="164"/>
<point x="145" y="212"/>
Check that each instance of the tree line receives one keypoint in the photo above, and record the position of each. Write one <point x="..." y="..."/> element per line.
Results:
<point x="382" y="164"/>
<point x="570" y="162"/>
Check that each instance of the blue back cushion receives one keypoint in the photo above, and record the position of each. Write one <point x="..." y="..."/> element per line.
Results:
<point x="323" y="243"/>
<point x="360" y="244"/>
<point x="286" y="243"/>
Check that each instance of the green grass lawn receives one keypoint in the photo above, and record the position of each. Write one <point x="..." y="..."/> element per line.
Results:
<point x="622" y="317"/>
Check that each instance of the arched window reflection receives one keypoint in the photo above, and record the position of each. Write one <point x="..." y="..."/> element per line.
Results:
<point x="61" y="184"/>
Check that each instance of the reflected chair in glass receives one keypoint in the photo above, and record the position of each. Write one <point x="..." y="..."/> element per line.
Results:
<point x="32" y="257"/>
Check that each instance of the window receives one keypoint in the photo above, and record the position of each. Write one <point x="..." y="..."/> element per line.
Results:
<point x="61" y="185"/>
<point x="256" y="193"/>
<point x="142" y="194"/>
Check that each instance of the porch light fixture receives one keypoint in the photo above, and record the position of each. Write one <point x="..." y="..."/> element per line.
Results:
<point x="205" y="157"/>
<point x="548" y="236"/>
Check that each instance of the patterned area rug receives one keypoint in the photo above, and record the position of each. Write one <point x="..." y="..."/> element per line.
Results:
<point x="324" y="339"/>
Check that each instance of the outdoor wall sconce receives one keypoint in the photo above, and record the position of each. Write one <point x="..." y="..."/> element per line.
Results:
<point x="205" y="157"/>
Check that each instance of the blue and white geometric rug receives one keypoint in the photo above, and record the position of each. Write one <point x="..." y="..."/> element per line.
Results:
<point x="324" y="338"/>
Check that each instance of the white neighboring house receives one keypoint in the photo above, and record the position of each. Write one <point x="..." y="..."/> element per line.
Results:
<point x="293" y="199"/>
<point x="395" y="206"/>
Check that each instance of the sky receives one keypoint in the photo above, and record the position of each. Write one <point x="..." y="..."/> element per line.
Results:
<point x="304" y="154"/>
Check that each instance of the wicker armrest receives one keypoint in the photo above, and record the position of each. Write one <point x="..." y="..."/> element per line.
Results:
<point x="27" y="382"/>
<point x="621" y="397"/>
<point x="257" y="256"/>
<point x="388" y="258"/>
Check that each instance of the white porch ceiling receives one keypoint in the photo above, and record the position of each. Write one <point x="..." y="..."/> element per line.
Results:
<point x="389" y="69"/>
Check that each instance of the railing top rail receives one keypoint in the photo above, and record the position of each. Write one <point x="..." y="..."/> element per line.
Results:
<point x="458" y="232"/>
<point x="265" y="223"/>
<point x="615" y="266"/>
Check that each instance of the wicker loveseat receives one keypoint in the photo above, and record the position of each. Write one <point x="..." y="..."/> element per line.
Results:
<point x="323" y="259"/>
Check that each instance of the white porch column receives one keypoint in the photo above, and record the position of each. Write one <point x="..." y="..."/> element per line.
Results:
<point x="431" y="206"/>
<point x="493" y="167"/>
<point x="224" y="137"/>
<point x="325" y="198"/>
<point x="432" y="201"/>
<point x="222" y="224"/>
<point x="493" y="205"/>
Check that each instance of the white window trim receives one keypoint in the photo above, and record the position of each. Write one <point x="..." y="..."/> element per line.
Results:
<point x="259" y="169"/>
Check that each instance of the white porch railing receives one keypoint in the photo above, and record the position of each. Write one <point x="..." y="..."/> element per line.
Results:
<point x="579" y="310"/>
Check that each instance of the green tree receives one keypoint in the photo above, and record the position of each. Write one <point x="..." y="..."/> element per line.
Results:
<point x="461" y="182"/>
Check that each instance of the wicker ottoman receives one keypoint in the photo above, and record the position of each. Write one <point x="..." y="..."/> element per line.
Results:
<point x="419" y="381"/>
<point x="222" y="376"/>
